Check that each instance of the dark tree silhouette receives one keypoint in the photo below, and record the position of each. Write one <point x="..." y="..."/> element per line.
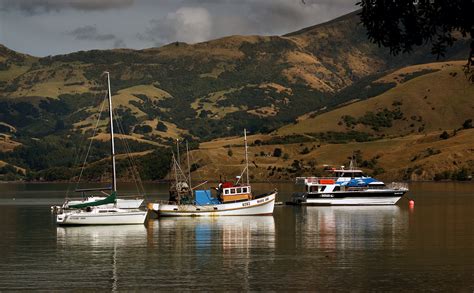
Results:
<point x="400" y="25"/>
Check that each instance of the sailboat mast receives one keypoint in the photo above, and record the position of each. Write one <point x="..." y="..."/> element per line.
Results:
<point x="177" y="151"/>
<point x="176" y="178"/>
<point x="246" y="155"/>
<point x="112" y="144"/>
<point x="189" y="165"/>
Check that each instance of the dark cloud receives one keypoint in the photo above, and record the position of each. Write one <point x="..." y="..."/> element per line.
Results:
<point x="90" y="33"/>
<point x="41" y="6"/>
<point x="145" y="23"/>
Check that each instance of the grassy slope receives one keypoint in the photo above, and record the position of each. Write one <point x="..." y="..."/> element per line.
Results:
<point x="408" y="156"/>
<point x="398" y="156"/>
<point x="443" y="101"/>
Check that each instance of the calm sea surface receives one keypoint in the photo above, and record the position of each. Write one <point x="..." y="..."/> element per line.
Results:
<point x="386" y="248"/>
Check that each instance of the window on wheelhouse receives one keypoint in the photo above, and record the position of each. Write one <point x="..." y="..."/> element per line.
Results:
<point x="226" y="191"/>
<point x="232" y="191"/>
<point x="239" y="190"/>
<point x="337" y="188"/>
<point x="244" y="189"/>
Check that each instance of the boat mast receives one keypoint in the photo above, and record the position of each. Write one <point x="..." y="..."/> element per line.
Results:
<point x="112" y="145"/>
<point x="189" y="165"/>
<point x="246" y="155"/>
<point x="177" y="151"/>
<point x="176" y="178"/>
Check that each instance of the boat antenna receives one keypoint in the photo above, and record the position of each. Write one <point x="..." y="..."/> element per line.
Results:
<point x="112" y="144"/>
<point x="189" y="165"/>
<point x="246" y="155"/>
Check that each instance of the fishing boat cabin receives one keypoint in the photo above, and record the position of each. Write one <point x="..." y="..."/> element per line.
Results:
<point x="227" y="192"/>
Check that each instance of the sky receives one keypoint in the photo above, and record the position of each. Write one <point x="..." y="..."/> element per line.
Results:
<point x="51" y="27"/>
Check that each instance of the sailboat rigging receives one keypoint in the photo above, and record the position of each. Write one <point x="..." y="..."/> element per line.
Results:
<point x="231" y="198"/>
<point x="99" y="210"/>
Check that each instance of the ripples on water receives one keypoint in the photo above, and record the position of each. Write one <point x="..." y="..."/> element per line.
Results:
<point x="387" y="248"/>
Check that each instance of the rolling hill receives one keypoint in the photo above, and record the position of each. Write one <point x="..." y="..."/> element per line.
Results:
<point x="429" y="98"/>
<point x="416" y="105"/>
<point x="204" y="91"/>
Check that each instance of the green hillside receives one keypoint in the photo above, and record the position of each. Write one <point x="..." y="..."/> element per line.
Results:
<point x="203" y="91"/>
<point x="423" y="99"/>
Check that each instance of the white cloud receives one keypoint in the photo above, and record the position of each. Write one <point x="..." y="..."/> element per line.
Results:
<point x="187" y="24"/>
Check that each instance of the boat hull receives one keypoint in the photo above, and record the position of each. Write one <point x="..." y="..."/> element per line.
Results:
<point x="352" y="198"/>
<point x="94" y="218"/>
<point x="260" y="206"/>
<point x="121" y="203"/>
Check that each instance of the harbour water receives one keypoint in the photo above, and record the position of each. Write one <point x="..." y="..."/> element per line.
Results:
<point x="387" y="248"/>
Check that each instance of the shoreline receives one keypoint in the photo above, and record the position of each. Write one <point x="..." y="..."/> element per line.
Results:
<point x="213" y="181"/>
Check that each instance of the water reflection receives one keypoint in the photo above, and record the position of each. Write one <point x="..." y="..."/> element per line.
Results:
<point x="109" y="247"/>
<point x="227" y="233"/>
<point x="101" y="236"/>
<point x="354" y="227"/>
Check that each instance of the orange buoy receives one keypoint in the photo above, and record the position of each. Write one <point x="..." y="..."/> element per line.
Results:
<point x="411" y="202"/>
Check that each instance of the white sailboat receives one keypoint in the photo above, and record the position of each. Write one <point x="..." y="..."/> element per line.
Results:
<point x="232" y="199"/>
<point x="102" y="210"/>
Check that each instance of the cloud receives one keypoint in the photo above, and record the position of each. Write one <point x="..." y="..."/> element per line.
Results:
<point x="187" y="24"/>
<point x="90" y="33"/>
<point x="209" y="19"/>
<point x="43" y="6"/>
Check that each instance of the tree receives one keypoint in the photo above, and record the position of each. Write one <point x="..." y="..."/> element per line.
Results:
<point x="444" y="135"/>
<point x="161" y="127"/>
<point x="467" y="124"/>
<point x="277" y="152"/>
<point x="400" y="25"/>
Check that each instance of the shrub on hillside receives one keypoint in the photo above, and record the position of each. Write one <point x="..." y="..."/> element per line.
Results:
<point x="467" y="124"/>
<point x="161" y="127"/>
<point x="142" y="129"/>
<point x="277" y="152"/>
<point x="444" y="135"/>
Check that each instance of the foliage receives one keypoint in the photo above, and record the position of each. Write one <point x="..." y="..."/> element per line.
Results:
<point x="459" y="175"/>
<point x="343" y="137"/>
<point x="467" y="124"/>
<point x="376" y="120"/>
<point x="403" y="25"/>
<point x="444" y="135"/>
<point x="160" y="126"/>
<point x="156" y="165"/>
<point x="277" y="152"/>
<point x="305" y="151"/>
<point x="142" y="129"/>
